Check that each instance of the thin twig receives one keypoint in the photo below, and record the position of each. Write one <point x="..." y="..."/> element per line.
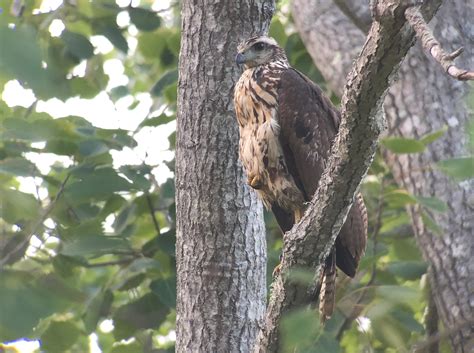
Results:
<point x="110" y="263"/>
<point x="152" y="213"/>
<point x="420" y="346"/>
<point x="38" y="224"/>
<point x="431" y="45"/>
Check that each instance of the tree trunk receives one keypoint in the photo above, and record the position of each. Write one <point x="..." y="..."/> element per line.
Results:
<point x="221" y="249"/>
<point x="423" y="100"/>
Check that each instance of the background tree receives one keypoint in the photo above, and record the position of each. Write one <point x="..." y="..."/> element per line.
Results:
<point x="87" y="213"/>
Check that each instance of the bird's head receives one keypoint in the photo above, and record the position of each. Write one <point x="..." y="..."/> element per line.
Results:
<point x="259" y="50"/>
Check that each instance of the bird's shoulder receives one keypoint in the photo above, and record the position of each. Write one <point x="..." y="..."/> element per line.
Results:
<point x="302" y="97"/>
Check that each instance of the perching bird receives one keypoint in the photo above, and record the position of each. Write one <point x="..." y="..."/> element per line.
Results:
<point x="287" y="127"/>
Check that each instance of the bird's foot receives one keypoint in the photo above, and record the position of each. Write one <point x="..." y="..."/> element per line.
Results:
<point x="276" y="270"/>
<point x="298" y="215"/>
<point x="255" y="181"/>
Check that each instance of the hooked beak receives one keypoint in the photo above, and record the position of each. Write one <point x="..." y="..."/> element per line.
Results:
<point x="240" y="58"/>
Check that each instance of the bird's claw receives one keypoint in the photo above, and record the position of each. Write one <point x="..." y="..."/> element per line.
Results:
<point x="276" y="270"/>
<point x="255" y="181"/>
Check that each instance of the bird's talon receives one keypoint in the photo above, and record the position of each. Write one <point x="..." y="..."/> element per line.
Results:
<point x="255" y="181"/>
<point x="276" y="270"/>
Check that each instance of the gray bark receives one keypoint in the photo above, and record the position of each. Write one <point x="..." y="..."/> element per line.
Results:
<point x="221" y="249"/>
<point x="423" y="100"/>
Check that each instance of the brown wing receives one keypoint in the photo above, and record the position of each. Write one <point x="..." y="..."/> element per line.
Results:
<point x="309" y="123"/>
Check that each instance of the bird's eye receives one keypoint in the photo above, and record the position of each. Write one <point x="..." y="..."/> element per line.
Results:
<point x="259" y="46"/>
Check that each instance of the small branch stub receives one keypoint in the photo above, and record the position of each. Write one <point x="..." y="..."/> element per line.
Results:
<point x="431" y="45"/>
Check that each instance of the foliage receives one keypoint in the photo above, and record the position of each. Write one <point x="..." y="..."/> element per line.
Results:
<point x="87" y="241"/>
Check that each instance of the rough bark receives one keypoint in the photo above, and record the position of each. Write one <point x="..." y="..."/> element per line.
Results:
<point x="423" y="100"/>
<point x="308" y="243"/>
<point x="221" y="250"/>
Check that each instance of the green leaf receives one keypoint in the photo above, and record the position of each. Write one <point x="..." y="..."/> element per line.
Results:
<point x="97" y="184"/>
<point x="25" y="299"/>
<point x="459" y="168"/>
<point x="23" y="58"/>
<point x="17" y="167"/>
<point x="433" y="203"/>
<point x="132" y="282"/>
<point x="133" y="347"/>
<point x="61" y="147"/>
<point x="115" y="36"/>
<point x="125" y="216"/>
<point x="407" y="320"/>
<point x="98" y="307"/>
<point x="399" y="198"/>
<point x="92" y="147"/>
<point x="59" y="336"/>
<point x="409" y="270"/>
<point x="393" y="222"/>
<point x="398" y="294"/>
<point x="299" y="328"/>
<point x="77" y="44"/>
<point x="431" y="137"/>
<point x="390" y="332"/>
<point x="431" y="224"/>
<point x="144" y="264"/>
<point x="113" y="203"/>
<point x="143" y="19"/>
<point x="164" y="242"/>
<point x="137" y="174"/>
<point x="17" y="206"/>
<point x="43" y="128"/>
<point x="165" y="289"/>
<point x="157" y="120"/>
<point x="406" y="250"/>
<point x="168" y="78"/>
<point x="144" y="313"/>
<point x="119" y="92"/>
<point x="326" y="343"/>
<point x="401" y="145"/>
<point x="89" y="245"/>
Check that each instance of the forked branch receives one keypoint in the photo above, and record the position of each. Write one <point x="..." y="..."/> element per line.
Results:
<point x="432" y="46"/>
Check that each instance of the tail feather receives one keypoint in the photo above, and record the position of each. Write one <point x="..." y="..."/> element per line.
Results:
<point x="327" y="295"/>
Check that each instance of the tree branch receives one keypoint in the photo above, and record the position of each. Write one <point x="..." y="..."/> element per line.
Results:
<point x="38" y="224"/>
<point x="152" y="213"/>
<point x="432" y="340"/>
<point x="432" y="46"/>
<point x="357" y="11"/>
<point x="309" y="242"/>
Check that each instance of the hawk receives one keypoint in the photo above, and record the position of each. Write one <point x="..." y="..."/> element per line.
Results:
<point x="287" y="127"/>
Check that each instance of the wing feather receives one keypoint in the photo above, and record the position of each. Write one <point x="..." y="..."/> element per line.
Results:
<point x="309" y="123"/>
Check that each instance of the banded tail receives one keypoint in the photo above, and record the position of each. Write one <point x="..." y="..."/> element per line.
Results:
<point x="327" y="294"/>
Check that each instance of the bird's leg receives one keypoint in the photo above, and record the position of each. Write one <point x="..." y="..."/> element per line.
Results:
<point x="255" y="181"/>
<point x="277" y="269"/>
<point x="298" y="215"/>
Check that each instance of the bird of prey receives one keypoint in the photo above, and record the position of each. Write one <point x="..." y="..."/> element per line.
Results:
<point x="287" y="127"/>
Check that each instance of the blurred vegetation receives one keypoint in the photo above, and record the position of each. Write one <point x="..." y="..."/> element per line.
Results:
<point x="89" y="253"/>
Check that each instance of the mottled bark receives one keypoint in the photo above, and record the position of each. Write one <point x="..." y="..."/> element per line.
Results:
<point x="221" y="254"/>
<point x="308" y="243"/>
<point x="423" y="100"/>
